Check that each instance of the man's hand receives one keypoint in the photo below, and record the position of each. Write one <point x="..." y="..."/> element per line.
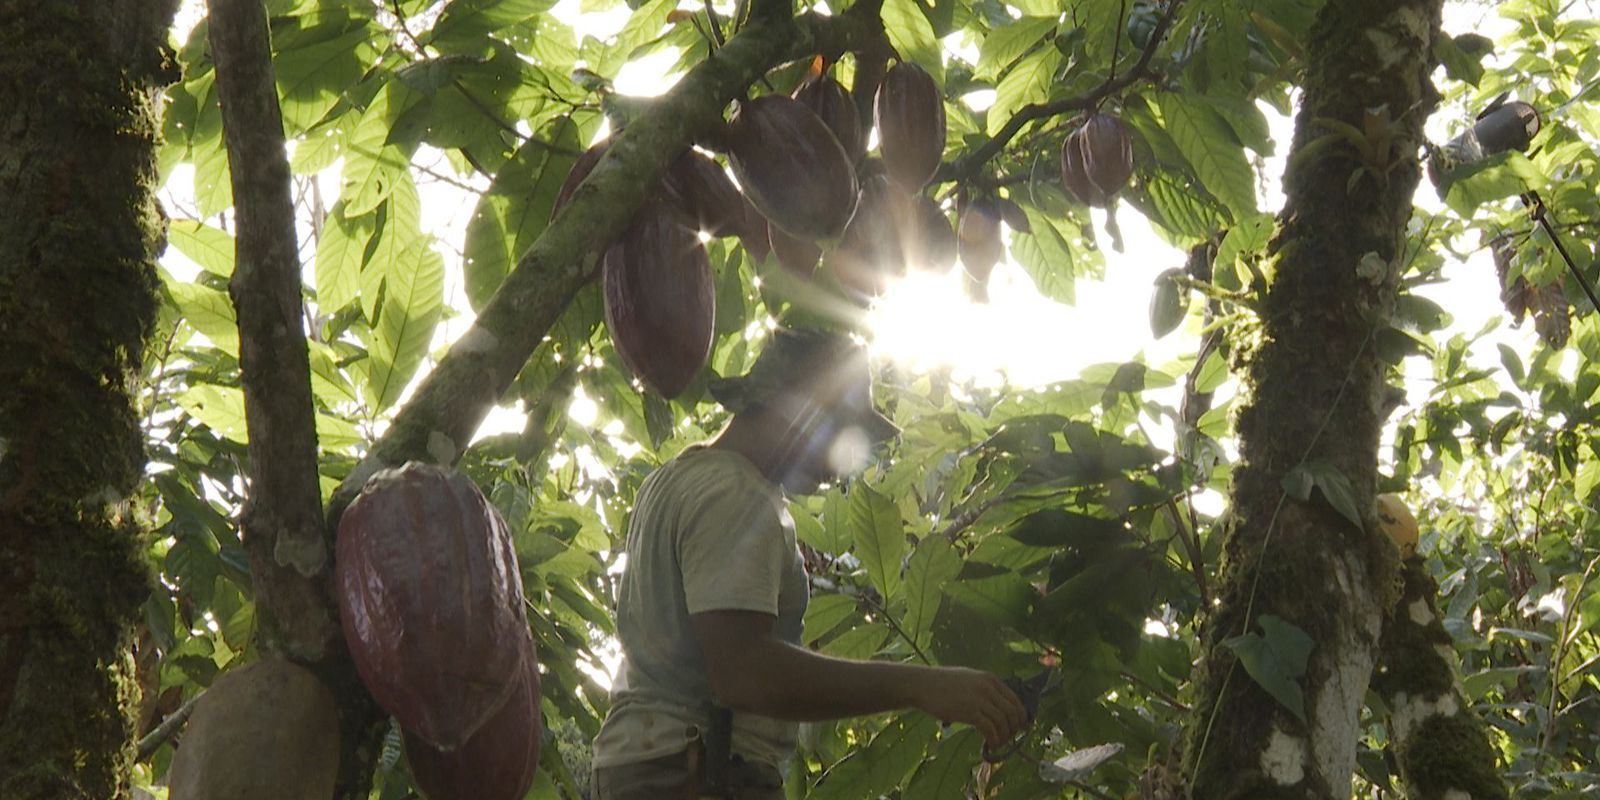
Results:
<point x="958" y="694"/>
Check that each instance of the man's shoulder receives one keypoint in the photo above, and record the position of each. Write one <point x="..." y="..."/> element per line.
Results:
<point x="713" y="469"/>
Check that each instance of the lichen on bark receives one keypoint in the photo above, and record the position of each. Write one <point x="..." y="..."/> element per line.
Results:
<point x="78" y="129"/>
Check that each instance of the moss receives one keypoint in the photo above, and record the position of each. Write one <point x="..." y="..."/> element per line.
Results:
<point x="1409" y="661"/>
<point x="1450" y="753"/>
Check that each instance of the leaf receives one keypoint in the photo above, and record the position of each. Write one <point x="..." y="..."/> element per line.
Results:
<point x="1298" y="483"/>
<point x="311" y="79"/>
<point x="945" y="776"/>
<point x="220" y="408"/>
<point x="933" y="564"/>
<point x="340" y="253"/>
<point x="209" y="311"/>
<point x="823" y="614"/>
<point x="1006" y="43"/>
<point x="883" y="764"/>
<point x="1458" y="64"/>
<point x="1337" y="490"/>
<point x="1500" y="176"/>
<point x="411" y="310"/>
<point x="912" y="35"/>
<point x="1028" y="82"/>
<point x="464" y="20"/>
<point x="1054" y="527"/>
<point x="880" y="539"/>
<point x="858" y="643"/>
<point x="1047" y="258"/>
<point x="211" y="248"/>
<point x="1168" y="304"/>
<point x="516" y="209"/>
<point x="1076" y="765"/>
<point x="213" y="190"/>
<point x="1276" y="661"/>
<point x="1211" y="148"/>
<point x="372" y="165"/>
<point x="1003" y="598"/>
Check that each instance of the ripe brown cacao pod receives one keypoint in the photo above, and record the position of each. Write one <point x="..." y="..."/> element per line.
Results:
<point x="499" y="761"/>
<point x="980" y="245"/>
<point x="697" y="187"/>
<point x="430" y="599"/>
<point x="911" y="124"/>
<point x="660" y="301"/>
<point x="265" y="731"/>
<point x="791" y="167"/>
<point x="832" y="104"/>
<point x="795" y="255"/>
<point x="1097" y="159"/>
<point x="754" y="236"/>
<point x="580" y="170"/>
<point x="1014" y="216"/>
<point x="930" y="244"/>
<point x="871" y="252"/>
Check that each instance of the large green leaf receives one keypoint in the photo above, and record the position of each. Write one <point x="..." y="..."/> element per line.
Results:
<point x="465" y="20"/>
<point x="1047" y="258"/>
<point x="946" y="775"/>
<point x="340" y="253"/>
<point x="1212" y="150"/>
<point x="373" y="165"/>
<point x="883" y="764"/>
<point x="1028" y="82"/>
<point x="208" y="310"/>
<point x="912" y="35"/>
<point x="516" y="209"/>
<point x="934" y="564"/>
<point x="311" y="79"/>
<point x="211" y="248"/>
<point x="1006" y="43"/>
<point x="1276" y="660"/>
<point x="413" y="303"/>
<point x="880" y="539"/>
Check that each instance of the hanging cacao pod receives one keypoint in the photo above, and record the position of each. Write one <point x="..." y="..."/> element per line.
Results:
<point x="931" y="243"/>
<point x="980" y="245"/>
<point x="832" y="104"/>
<point x="1014" y="216"/>
<point x="660" y="301"/>
<point x="580" y="170"/>
<point x="795" y="255"/>
<point x="430" y="599"/>
<point x="1097" y="159"/>
<point x="754" y="235"/>
<point x="499" y="761"/>
<point x="265" y="731"/>
<point x="791" y="167"/>
<point x="871" y="252"/>
<point x="697" y="187"/>
<point x="911" y="124"/>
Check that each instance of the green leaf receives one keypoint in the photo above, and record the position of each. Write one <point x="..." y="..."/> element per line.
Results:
<point x="945" y="776"/>
<point x="861" y="642"/>
<point x="1276" y="661"/>
<point x="912" y="35"/>
<point x="1500" y="176"/>
<point x="642" y="27"/>
<point x="470" y="19"/>
<point x="1212" y="150"/>
<point x="208" y="311"/>
<point x="1336" y="489"/>
<point x="311" y="79"/>
<point x="1055" y="528"/>
<point x="412" y="306"/>
<point x="1007" y="43"/>
<point x="516" y="209"/>
<point x="1213" y="373"/>
<point x="220" y="408"/>
<point x="1047" y="258"/>
<point x="211" y="248"/>
<point x="372" y="166"/>
<point x="883" y="764"/>
<point x="1168" y="304"/>
<point x="399" y="229"/>
<point x="1003" y="598"/>
<point x="1028" y="82"/>
<point x="1458" y="64"/>
<point x="933" y="564"/>
<point x="823" y="614"/>
<point x="1180" y="209"/>
<point x="340" y="253"/>
<point x="213" y="189"/>
<point x="880" y="539"/>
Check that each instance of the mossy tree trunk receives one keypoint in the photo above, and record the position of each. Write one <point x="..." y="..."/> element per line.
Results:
<point x="1443" y="749"/>
<point x="1315" y="394"/>
<point x="80" y="230"/>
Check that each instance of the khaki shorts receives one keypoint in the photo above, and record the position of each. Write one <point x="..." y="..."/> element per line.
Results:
<point x="667" y="778"/>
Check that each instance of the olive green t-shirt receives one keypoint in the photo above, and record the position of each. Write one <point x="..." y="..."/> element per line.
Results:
<point x="709" y="532"/>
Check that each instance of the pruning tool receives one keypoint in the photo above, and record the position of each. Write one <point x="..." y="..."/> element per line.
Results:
<point x="1030" y="691"/>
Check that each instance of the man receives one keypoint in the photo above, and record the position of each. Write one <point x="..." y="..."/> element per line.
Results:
<point x="710" y="605"/>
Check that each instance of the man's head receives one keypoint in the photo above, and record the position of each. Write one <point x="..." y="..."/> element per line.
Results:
<point x="813" y="387"/>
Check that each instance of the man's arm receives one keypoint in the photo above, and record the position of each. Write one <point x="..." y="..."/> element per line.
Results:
<point x="753" y="671"/>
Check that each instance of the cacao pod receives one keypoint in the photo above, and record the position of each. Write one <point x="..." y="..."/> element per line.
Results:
<point x="580" y="170"/>
<point x="430" y="599"/>
<point x="697" y="187"/>
<point x="1097" y="159"/>
<point x="980" y="245"/>
<point x="1396" y="520"/>
<point x="871" y="251"/>
<point x="832" y="104"/>
<point x="1014" y="216"/>
<point x="754" y="235"/>
<point x="795" y="255"/>
<point x="931" y="243"/>
<point x="499" y="761"/>
<point x="791" y="167"/>
<point x="264" y="731"/>
<point x="911" y="124"/>
<point x="660" y="301"/>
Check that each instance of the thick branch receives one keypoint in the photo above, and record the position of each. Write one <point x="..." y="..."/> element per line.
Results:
<point x="968" y="168"/>
<point x="437" y="424"/>
<point x="283" y="518"/>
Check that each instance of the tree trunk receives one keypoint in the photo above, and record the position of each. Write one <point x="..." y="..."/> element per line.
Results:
<point x="81" y="229"/>
<point x="1442" y="747"/>
<point x="1315" y="389"/>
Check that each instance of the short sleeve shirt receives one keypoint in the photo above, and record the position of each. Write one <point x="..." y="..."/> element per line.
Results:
<point x="708" y="532"/>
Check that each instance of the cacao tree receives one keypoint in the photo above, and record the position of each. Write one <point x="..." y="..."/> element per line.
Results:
<point x="1174" y="549"/>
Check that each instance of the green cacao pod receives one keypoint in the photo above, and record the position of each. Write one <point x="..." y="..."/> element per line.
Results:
<point x="265" y="731"/>
<point x="911" y="124"/>
<point x="791" y="167"/>
<point x="497" y="763"/>
<point x="980" y="244"/>
<point x="1097" y="159"/>
<point x="930" y="244"/>
<point x="660" y="301"/>
<point x="430" y="599"/>
<point x="832" y="104"/>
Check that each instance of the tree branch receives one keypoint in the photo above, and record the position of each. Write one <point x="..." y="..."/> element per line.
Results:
<point x="967" y="168"/>
<point x="282" y="519"/>
<point x="453" y="399"/>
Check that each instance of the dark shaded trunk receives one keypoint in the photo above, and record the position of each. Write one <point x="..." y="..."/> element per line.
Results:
<point x="81" y="229"/>
<point x="1315" y="389"/>
<point x="1443" y="749"/>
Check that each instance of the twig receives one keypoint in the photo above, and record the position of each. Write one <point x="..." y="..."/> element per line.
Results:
<point x="1157" y="691"/>
<point x="967" y="167"/>
<point x="169" y="726"/>
<point x="1555" y="663"/>
<point x="884" y="612"/>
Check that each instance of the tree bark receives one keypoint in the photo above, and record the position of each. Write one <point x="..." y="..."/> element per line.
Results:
<point x="78" y="216"/>
<point x="1314" y="388"/>
<point x="1443" y="749"/>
